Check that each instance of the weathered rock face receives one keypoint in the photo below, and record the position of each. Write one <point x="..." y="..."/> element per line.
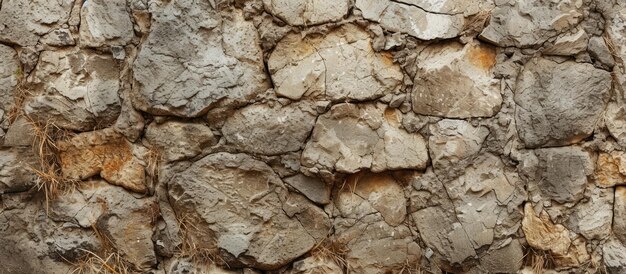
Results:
<point x="559" y="104"/>
<point x="473" y="93"/>
<point x="277" y="130"/>
<point x="24" y="20"/>
<point x="250" y="225"/>
<point x="312" y="137"/>
<point x="530" y="23"/>
<point x="417" y="21"/>
<point x="76" y="90"/>
<point x="105" y="23"/>
<point x="105" y="153"/>
<point x="307" y="13"/>
<point x="223" y="67"/>
<point x="339" y="66"/>
<point x="352" y="137"/>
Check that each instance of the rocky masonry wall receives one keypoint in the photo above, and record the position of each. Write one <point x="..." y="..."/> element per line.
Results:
<point x="312" y="136"/>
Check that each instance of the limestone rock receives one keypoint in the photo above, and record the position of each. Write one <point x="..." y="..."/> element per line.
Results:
<point x="616" y="28"/>
<point x="179" y="141"/>
<point x="453" y="144"/>
<point x="58" y="38"/>
<point x="34" y="243"/>
<point x="619" y="213"/>
<point x="315" y="265"/>
<point x="249" y="223"/>
<point x="278" y="129"/>
<point x="600" y="51"/>
<point x="370" y="224"/>
<point x="75" y="89"/>
<point x="105" y="153"/>
<point x="351" y="137"/>
<point x="541" y="233"/>
<point x="127" y="222"/>
<point x="615" y="119"/>
<point x="399" y="16"/>
<point x="559" y="174"/>
<point x="611" y="169"/>
<point x="508" y="259"/>
<point x="19" y="134"/>
<point x="23" y="21"/>
<point x="559" y="104"/>
<point x="569" y="44"/>
<point x="592" y="219"/>
<point x="473" y="93"/>
<point x="16" y="172"/>
<point x="614" y="256"/>
<point x="450" y="6"/>
<point x="220" y="63"/>
<point x="105" y="22"/>
<point x="311" y="12"/>
<point x="313" y="188"/>
<point x="10" y="73"/>
<point x="338" y="66"/>
<point x="529" y="23"/>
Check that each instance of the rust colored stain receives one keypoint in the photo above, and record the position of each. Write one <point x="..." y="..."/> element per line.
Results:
<point x="482" y="56"/>
<point x="387" y="58"/>
<point x="367" y="182"/>
<point x="392" y="116"/>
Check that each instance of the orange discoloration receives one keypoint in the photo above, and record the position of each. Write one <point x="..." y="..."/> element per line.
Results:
<point x="387" y="58"/>
<point x="482" y="56"/>
<point x="367" y="182"/>
<point x="391" y="115"/>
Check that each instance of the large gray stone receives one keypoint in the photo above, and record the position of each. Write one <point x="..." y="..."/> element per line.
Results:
<point x="10" y="74"/>
<point x="529" y="23"/>
<point x="17" y="167"/>
<point x="397" y="16"/>
<point x="351" y="137"/>
<point x="24" y="21"/>
<point x="236" y="203"/>
<point x="105" y="22"/>
<point x="177" y="141"/>
<point x="340" y="65"/>
<point x="559" y="174"/>
<point x="75" y="89"/>
<point x="310" y="12"/>
<point x="453" y="145"/>
<point x="195" y="59"/>
<point x="559" y="104"/>
<point x="270" y="130"/>
<point x="474" y="91"/>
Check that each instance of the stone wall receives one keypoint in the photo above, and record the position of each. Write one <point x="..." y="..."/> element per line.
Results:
<point x="312" y="136"/>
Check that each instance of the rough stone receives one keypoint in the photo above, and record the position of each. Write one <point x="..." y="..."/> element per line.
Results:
<point x="23" y="21"/>
<point x="338" y="66"/>
<point x="221" y="64"/>
<point x="19" y="134"/>
<point x="619" y="214"/>
<point x="397" y="16"/>
<point x="178" y="141"/>
<point x="313" y="188"/>
<point x="559" y="104"/>
<point x="278" y="129"/>
<point x="351" y="137"/>
<point x="370" y="224"/>
<point x="307" y="13"/>
<point x="592" y="218"/>
<point x="611" y="169"/>
<point x="250" y="223"/>
<point x="315" y="265"/>
<point x="530" y="23"/>
<point x="615" y="119"/>
<point x="569" y="44"/>
<point x="614" y="256"/>
<point x="508" y="259"/>
<point x="453" y="145"/>
<point x="127" y="222"/>
<point x="59" y="38"/>
<point x="105" y="22"/>
<point x="75" y="89"/>
<point x="105" y="153"/>
<point x="474" y="93"/>
<point x="541" y="233"/>
<point x="600" y="51"/>
<point x="559" y="174"/>
<point x="10" y="74"/>
<point x="16" y="174"/>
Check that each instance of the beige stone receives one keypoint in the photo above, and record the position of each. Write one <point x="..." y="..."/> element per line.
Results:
<point x="611" y="169"/>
